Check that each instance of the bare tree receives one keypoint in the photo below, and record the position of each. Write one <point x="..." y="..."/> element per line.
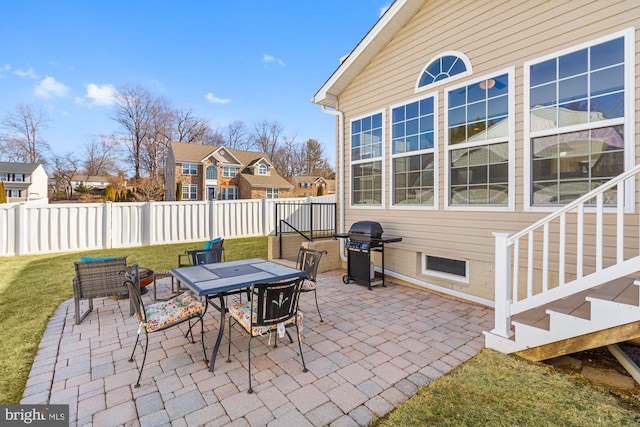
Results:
<point x="157" y="140"/>
<point x="236" y="136"/>
<point x="99" y="153"/>
<point x="22" y="140"/>
<point x="189" y="128"/>
<point x="267" y="136"/>
<point x="214" y="137"/>
<point x="289" y="158"/>
<point x="64" y="167"/>
<point x="132" y="112"/>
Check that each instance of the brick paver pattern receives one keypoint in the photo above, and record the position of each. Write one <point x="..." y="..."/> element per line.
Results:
<point x="371" y="353"/>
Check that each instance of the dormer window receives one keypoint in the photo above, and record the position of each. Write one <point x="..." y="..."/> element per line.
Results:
<point x="262" y="169"/>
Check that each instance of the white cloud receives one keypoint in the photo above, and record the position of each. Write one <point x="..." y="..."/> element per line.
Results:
<point x="215" y="100"/>
<point x="49" y="87"/>
<point x="28" y="74"/>
<point x="101" y="95"/>
<point x="270" y="58"/>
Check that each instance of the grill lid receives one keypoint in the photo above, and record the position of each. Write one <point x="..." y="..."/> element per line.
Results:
<point x="369" y="229"/>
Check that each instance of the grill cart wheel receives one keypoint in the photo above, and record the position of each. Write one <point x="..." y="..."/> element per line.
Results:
<point x="346" y="279"/>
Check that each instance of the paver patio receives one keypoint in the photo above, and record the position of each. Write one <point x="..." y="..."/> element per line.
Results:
<point x="372" y="352"/>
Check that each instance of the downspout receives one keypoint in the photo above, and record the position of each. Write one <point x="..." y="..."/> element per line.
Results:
<point x="340" y="170"/>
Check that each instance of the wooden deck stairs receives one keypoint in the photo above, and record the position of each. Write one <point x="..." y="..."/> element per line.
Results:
<point x="567" y="325"/>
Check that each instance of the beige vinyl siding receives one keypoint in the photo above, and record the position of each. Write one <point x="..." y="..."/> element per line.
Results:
<point x="494" y="35"/>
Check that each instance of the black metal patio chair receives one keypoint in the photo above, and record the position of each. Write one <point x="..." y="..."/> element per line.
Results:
<point x="309" y="260"/>
<point x="273" y="307"/>
<point x="162" y="315"/>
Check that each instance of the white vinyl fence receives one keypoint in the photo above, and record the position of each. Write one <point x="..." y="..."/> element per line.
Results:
<point x="37" y="229"/>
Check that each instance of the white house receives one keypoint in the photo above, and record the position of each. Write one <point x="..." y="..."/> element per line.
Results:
<point x="24" y="182"/>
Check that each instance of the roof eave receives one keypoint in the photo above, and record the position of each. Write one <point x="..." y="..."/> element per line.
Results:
<point x="396" y="17"/>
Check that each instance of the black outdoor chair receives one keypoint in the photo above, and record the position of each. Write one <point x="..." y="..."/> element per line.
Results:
<point x="162" y="315"/>
<point x="207" y="256"/>
<point x="187" y="257"/>
<point x="272" y="306"/>
<point x="309" y="260"/>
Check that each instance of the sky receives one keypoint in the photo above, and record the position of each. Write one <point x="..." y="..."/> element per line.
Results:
<point x="249" y="60"/>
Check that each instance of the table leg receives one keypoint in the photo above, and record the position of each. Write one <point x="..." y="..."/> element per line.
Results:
<point x="223" y="310"/>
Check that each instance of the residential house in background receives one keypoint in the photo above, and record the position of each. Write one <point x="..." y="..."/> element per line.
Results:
<point x="464" y="126"/>
<point x="219" y="173"/>
<point x="306" y="186"/>
<point x="95" y="184"/>
<point x="24" y="182"/>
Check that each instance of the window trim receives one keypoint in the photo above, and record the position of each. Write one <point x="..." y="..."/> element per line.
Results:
<point x="434" y="150"/>
<point x="260" y="169"/>
<point x="229" y="168"/>
<point x="272" y="189"/>
<point x="448" y="80"/>
<point x="510" y="140"/>
<point x="192" y="167"/>
<point x="381" y="159"/>
<point x="223" y="193"/>
<point x="441" y="274"/>
<point x="628" y="121"/>
<point x="190" y="187"/>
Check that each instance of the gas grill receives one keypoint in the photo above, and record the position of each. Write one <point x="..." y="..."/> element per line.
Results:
<point x="363" y="238"/>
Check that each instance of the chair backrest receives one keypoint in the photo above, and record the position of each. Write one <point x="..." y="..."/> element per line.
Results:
<point x="100" y="278"/>
<point x="275" y="302"/>
<point x="215" y="243"/>
<point x="309" y="260"/>
<point x="132" y="283"/>
<point x="209" y="256"/>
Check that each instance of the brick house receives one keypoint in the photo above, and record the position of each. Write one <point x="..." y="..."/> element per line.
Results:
<point x="306" y="186"/>
<point x="208" y="172"/>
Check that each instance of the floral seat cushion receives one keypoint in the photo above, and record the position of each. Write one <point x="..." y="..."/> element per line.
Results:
<point x="163" y="314"/>
<point x="241" y="311"/>
<point x="308" y="285"/>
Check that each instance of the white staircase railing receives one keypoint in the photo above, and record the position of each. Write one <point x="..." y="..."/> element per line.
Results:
<point x="577" y="247"/>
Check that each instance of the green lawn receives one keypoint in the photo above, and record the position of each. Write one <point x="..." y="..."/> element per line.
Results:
<point x="33" y="287"/>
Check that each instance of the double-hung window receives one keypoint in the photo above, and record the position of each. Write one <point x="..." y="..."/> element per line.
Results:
<point x="272" y="192"/>
<point x="577" y="119"/>
<point x="189" y="192"/>
<point x="367" y="160"/>
<point x="229" y="193"/>
<point x="478" y="141"/>
<point x="189" y="169"/>
<point x="229" y="171"/>
<point x="413" y="138"/>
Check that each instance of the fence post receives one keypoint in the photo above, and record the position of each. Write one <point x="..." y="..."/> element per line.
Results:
<point x="107" y="223"/>
<point x="265" y="218"/>
<point x="503" y="300"/>
<point x="21" y="229"/>
<point x="151" y="220"/>
<point x="213" y="224"/>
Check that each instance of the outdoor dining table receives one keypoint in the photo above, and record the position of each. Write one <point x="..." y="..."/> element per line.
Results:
<point x="218" y="280"/>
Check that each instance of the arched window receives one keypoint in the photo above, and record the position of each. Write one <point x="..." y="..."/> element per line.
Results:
<point x="212" y="172"/>
<point x="262" y="170"/>
<point x="442" y="67"/>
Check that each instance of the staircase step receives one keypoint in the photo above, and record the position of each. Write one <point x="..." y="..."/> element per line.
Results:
<point x="574" y="305"/>
<point x="537" y="317"/>
<point x="615" y="289"/>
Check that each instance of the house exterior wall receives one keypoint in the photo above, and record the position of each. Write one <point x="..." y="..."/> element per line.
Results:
<point x="39" y="182"/>
<point x="495" y="36"/>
